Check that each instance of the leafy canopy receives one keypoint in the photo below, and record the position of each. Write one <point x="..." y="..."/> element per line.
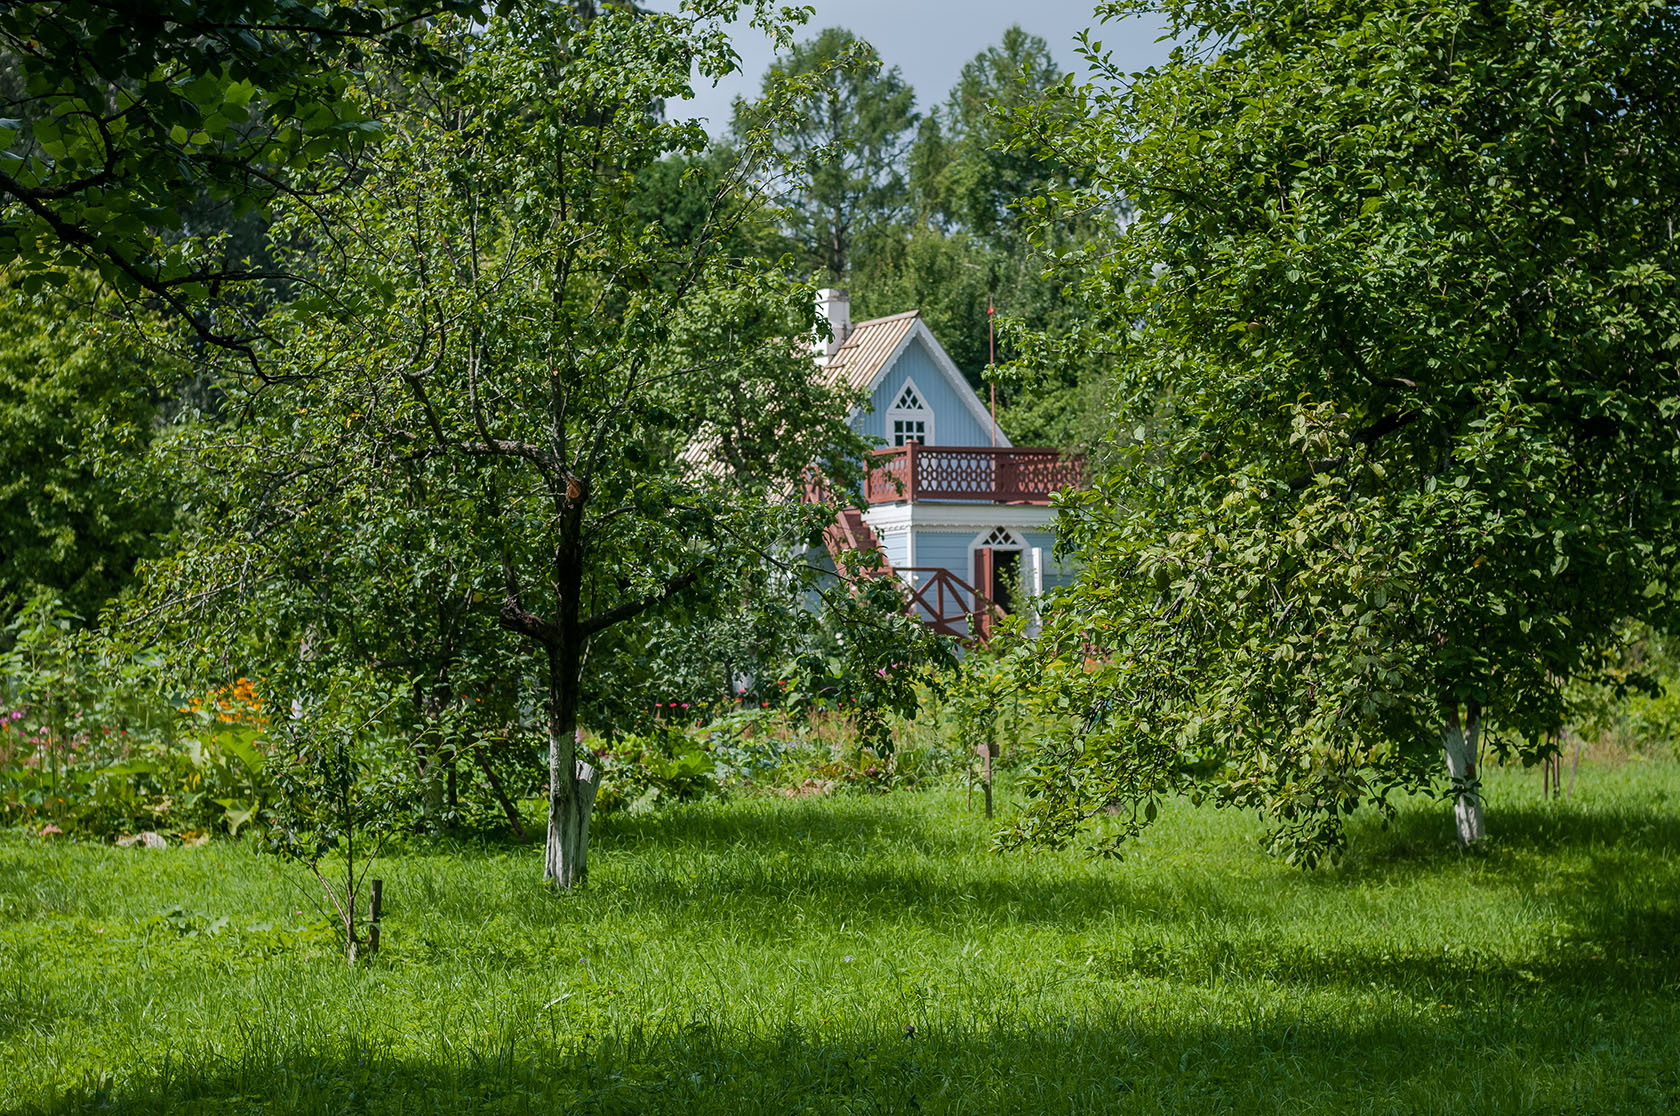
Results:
<point x="78" y="410"/>
<point x="1395" y="423"/>
<point x="124" y="117"/>
<point x="513" y="392"/>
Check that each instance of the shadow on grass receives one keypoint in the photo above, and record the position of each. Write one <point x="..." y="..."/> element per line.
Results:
<point x="1270" y="1061"/>
<point x="1421" y="836"/>
<point x="1626" y="954"/>
<point x="741" y="819"/>
<point x="835" y="821"/>
<point x="770" y="866"/>
<point x="883" y="859"/>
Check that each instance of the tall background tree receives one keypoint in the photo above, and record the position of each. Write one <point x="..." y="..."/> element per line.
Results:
<point x="1394" y="449"/>
<point x="841" y="148"/>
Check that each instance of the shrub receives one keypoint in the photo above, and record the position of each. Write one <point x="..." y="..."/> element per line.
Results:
<point x="667" y="764"/>
<point x="90" y="744"/>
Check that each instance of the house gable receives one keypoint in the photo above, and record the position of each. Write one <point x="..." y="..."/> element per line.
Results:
<point x="958" y="417"/>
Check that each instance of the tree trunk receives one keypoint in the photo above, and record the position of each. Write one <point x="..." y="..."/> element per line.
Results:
<point x="429" y="751"/>
<point x="1459" y="742"/>
<point x="566" y="860"/>
<point x="496" y="788"/>
<point x="571" y="783"/>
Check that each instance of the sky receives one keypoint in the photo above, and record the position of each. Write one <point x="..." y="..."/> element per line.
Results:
<point x="930" y="40"/>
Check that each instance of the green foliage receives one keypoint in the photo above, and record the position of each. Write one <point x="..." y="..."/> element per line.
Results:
<point x="119" y="119"/>
<point x="78" y="407"/>
<point x="519" y="417"/>
<point x="1633" y="701"/>
<point x="665" y="766"/>
<point x="985" y="691"/>
<point x="867" y="660"/>
<point x="688" y="196"/>
<point x="98" y="741"/>
<point x="333" y="777"/>
<point x="1394" y="400"/>
<point x="865" y="953"/>
<point x="91" y="744"/>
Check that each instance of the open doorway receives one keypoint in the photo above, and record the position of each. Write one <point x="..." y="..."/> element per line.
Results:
<point x="1005" y="577"/>
<point x="997" y="570"/>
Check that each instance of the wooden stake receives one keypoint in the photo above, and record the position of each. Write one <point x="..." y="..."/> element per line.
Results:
<point x="373" y="916"/>
<point x="1551" y="773"/>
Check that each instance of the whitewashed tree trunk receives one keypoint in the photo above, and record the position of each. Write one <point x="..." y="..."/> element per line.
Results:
<point x="566" y="860"/>
<point x="571" y="782"/>
<point x="1459" y="742"/>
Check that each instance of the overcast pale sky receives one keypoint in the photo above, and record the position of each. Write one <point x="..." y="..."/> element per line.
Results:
<point x="929" y="40"/>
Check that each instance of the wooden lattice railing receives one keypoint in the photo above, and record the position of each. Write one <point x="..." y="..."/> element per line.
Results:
<point x="948" y="604"/>
<point x="914" y="472"/>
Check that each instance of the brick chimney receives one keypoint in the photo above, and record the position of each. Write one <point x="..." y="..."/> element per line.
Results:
<point x="834" y="306"/>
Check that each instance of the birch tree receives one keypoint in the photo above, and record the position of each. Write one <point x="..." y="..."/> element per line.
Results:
<point x="1394" y="450"/>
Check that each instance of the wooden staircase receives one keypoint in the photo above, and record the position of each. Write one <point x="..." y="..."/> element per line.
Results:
<point x="937" y="597"/>
<point x="851" y="532"/>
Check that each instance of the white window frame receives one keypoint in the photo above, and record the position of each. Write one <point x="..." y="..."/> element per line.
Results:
<point x="922" y="414"/>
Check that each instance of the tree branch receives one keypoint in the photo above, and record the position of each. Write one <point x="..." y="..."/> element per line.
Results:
<point x="604" y="620"/>
<point x="1365" y="436"/>
<point x="513" y="617"/>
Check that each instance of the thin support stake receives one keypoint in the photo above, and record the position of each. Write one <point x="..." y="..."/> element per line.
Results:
<point x="374" y="906"/>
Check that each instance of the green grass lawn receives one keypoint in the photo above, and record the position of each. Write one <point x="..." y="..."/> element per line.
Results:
<point x="861" y="954"/>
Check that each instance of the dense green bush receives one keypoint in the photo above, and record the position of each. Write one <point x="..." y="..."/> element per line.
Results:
<point x="1632" y="703"/>
<point x="791" y="748"/>
<point x="668" y="764"/>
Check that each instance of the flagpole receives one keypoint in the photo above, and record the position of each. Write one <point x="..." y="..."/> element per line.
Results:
<point x="991" y="348"/>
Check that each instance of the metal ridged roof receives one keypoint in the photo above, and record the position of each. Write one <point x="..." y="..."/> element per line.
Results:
<point x="854" y="366"/>
<point x="860" y="359"/>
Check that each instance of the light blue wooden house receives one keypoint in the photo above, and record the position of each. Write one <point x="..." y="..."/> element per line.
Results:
<point x="960" y="515"/>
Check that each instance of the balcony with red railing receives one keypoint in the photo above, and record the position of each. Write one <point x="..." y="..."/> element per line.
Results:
<point x="912" y="472"/>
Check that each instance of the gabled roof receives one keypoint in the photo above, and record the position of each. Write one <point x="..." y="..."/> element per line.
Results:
<point x="868" y="349"/>
<point x="873" y="346"/>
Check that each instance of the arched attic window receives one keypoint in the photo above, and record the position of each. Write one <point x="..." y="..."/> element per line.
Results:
<point x="910" y="419"/>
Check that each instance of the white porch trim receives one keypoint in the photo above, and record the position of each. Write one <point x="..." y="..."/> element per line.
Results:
<point x="958" y="516"/>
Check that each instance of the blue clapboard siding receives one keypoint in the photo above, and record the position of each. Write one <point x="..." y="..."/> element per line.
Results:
<point x="949" y="548"/>
<point x="953" y="423"/>
<point x="896" y="546"/>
